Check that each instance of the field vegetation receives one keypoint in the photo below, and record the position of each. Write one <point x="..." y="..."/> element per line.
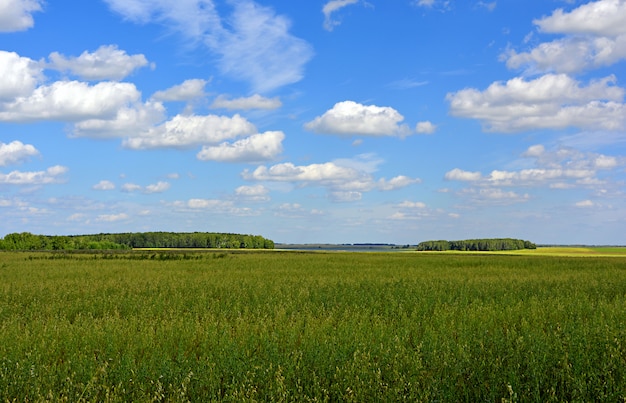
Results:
<point x="241" y="325"/>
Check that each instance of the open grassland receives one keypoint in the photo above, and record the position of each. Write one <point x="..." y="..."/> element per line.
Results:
<point x="290" y="326"/>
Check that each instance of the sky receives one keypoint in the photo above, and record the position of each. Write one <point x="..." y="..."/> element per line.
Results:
<point x="341" y="121"/>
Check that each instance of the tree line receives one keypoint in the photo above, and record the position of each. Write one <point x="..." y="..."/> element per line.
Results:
<point x="489" y="244"/>
<point x="28" y="241"/>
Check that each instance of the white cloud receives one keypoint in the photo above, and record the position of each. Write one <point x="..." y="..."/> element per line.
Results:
<point x="494" y="196"/>
<point x="442" y="5"/>
<point x="257" y="193"/>
<point x="345" y="196"/>
<point x="558" y="169"/>
<point x="16" y="15"/>
<point x="128" y="121"/>
<point x="19" y="76"/>
<point x="396" y="182"/>
<point x="489" y="6"/>
<point x="405" y="84"/>
<point x="106" y="63"/>
<point x="255" y="101"/>
<point x="568" y="55"/>
<point x="113" y="217"/>
<point x="70" y="101"/>
<point x="188" y="90"/>
<point x="256" y="148"/>
<point x="342" y="181"/>
<point x="424" y="3"/>
<point x="331" y="7"/>
<point x="214" y="206"/>
<point x="104" y="185"/>
<point x="131" y="187"/>
<point x="252" y="43"/>
<point x="351" y="118"/>
<point x="552" y="101"/>
<point x="603" y="17"/>
<point x="412" y="205"/>
<point x="16" y="152"/>
<point x="460" y="175"/>
<point x="425" y="127"/>
<point x="595" y="37"/>
<point x="534" y="151"/>
<point x="260" y="49"/>
<point x="158" y="187"/>
<point x="585" y="203"/>
<point x="207" y="204"/>
<point x="188" y="131"/>
<point x="287" y="172"/>
<point x="51" y="175"/>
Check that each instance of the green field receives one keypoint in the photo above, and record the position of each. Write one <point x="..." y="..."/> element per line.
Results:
<point x="294" y="326"/>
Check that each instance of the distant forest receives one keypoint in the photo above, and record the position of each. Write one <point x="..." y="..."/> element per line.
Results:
<point x="28" y="241"/>
<point x="492" y="244"/>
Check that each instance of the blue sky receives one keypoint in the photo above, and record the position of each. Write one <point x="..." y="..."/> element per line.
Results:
<point x="339" y="121"/>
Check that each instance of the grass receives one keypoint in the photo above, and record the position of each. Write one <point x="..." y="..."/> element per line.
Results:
<point x="293" y="326"/>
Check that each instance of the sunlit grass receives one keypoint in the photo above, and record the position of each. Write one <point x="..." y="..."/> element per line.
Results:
<point x="291" y="326"/>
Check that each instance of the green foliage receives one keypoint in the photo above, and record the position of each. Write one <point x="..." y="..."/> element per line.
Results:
<point x="28" y="241"/>
<point x="304" y="327"/>
<point x="491" y="244"/>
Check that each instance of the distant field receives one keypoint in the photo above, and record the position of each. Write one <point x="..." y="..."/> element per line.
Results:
<point x="302" y="327"/>
<point x="576" y="251"/>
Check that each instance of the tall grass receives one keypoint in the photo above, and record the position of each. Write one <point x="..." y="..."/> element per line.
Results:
<point x="288" y="326"/>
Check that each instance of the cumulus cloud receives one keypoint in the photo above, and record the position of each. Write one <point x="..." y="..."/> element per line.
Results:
<point x="425" y="127"/>
<point x="16" y="152"/>
<point x="158" y="187"/>
<point x="19" y="76"/>
<point x="396" y="182"/>
<point x="595" y="36"/>
<point x="70" y="101"/>
<point x="494" y="196"/>
<point x="256" y="148"/>
<point x="255" y="101"/>
<point x="186" y="91"/>
<point x="17" y="15"/>
<point x="129" y="121"/>
<point x="252" y="43"/>
<point x="603" y="17"/>
<point x="560" y="168"/>
<point x="328" y="172"/>
<point x="552" y="101"/>
<point x="460" y="175"/>
<point x="104" y="185"/>
<point x="188" y="131"/>
<point x="257" y="193"/>
<point x="332" y="7"/>
<point x="214" y="206"/>
<point x="106" y="63"/>
<point x="343" y="182"/>
<point x="51" y="175"/>
<point x="351" y="118"/>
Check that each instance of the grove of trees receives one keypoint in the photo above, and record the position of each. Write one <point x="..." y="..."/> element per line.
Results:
<point x="28" y="241"/>
<point x="489" y="244"/>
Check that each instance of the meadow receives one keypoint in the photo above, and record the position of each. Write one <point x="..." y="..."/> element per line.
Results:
<point x="311" y="327"/>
